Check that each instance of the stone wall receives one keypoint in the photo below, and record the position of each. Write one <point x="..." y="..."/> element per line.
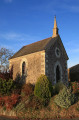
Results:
<point x="42" y="62"/>
<point x="51" y="60"/>
<point x="35" y="66"/>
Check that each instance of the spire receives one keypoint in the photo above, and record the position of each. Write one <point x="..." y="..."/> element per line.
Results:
<point x="55" y="29"/>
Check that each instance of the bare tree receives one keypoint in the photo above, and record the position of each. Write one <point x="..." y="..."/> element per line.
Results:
<point x="5" y="54"/>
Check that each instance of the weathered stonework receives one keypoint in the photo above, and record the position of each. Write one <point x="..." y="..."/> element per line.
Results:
<point x="35" y="66"/>
<point x="52" y="61"/>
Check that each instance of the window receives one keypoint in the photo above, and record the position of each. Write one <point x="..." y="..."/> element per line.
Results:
<point x="23" y="69"/>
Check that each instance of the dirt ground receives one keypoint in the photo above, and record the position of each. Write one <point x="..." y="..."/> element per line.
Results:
<point x="14" y="118"/>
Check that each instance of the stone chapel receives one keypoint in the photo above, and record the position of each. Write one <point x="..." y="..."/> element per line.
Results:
<point x="46" y="56"/>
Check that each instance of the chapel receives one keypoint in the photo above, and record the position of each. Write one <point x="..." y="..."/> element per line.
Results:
<point x="47" y="56"/>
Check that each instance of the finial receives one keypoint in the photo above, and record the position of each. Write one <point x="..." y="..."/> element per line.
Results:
<point x="55" y="16"/>
<point x="55" y="29"/>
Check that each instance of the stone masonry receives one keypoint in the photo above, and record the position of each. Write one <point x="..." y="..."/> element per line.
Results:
<point x="51" y="60"/>
<point x="46" y="57"/>
<point x="35" y="65"/>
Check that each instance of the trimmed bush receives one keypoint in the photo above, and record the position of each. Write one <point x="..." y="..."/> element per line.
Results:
<point x="43" y="88"/>
<point x="65" y="98"/>
<point x="57" y="87"/>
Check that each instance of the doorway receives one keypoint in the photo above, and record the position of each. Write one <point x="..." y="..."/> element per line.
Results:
<point x="57" y="74"/>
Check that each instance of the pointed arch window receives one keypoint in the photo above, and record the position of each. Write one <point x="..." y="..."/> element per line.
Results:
<point x="57" y="74"/>
<point x="23" y="69"/>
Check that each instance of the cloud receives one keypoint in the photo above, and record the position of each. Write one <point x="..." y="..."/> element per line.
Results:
<point x="8" y="1"/>
<point x="74" y="8"/>
<point x="58" y="6"/>
<point x="15" y="41"/>
<point x="17" y="37"/>
<point x="71" y="8"/>
<point x="11" y="36"/>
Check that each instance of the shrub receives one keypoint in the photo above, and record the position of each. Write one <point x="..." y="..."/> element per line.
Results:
<point x="65" y="98"/>
<point x="75" y="87"/>
<point x="20" y="109"/>
<point x="1" y="101"/>
<point x="27" y="89"/>
<point x="43" y="88"/>
<point x="2" y="75"/>
<point x="17" y="87"/>
<point x="77" y="108"/>
<point x="18" y="78"/>
<point x="57" y="87"/>
<point x="9" y="101"/>
<point x="7" y="87"/>
<point x="34" y="102"/>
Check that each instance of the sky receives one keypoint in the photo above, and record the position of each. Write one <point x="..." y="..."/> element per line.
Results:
<point x="26" y="21"/>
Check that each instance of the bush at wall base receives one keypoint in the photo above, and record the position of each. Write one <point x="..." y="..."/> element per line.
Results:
<point x="58" y="87"/>
<point x="43" y="88"/>
<point x="65" y="98"/>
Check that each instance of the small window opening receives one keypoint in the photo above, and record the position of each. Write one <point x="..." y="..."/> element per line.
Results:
<point x="23" y="68"/>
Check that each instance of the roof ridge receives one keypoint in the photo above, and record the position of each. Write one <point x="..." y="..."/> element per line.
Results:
<point x="33" y="47"/>
<point x="37" y="41"/>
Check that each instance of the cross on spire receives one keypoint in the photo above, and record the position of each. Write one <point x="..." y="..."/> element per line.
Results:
<point x="55" y="29"/>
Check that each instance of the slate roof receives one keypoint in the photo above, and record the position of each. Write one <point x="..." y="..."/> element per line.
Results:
<point x="36" y="47"/>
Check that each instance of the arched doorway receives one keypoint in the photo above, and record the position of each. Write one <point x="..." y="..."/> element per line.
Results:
<point x="57" y="74"/>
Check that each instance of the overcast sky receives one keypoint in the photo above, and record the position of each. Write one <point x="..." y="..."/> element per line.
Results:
<point x="26" y="21"/>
